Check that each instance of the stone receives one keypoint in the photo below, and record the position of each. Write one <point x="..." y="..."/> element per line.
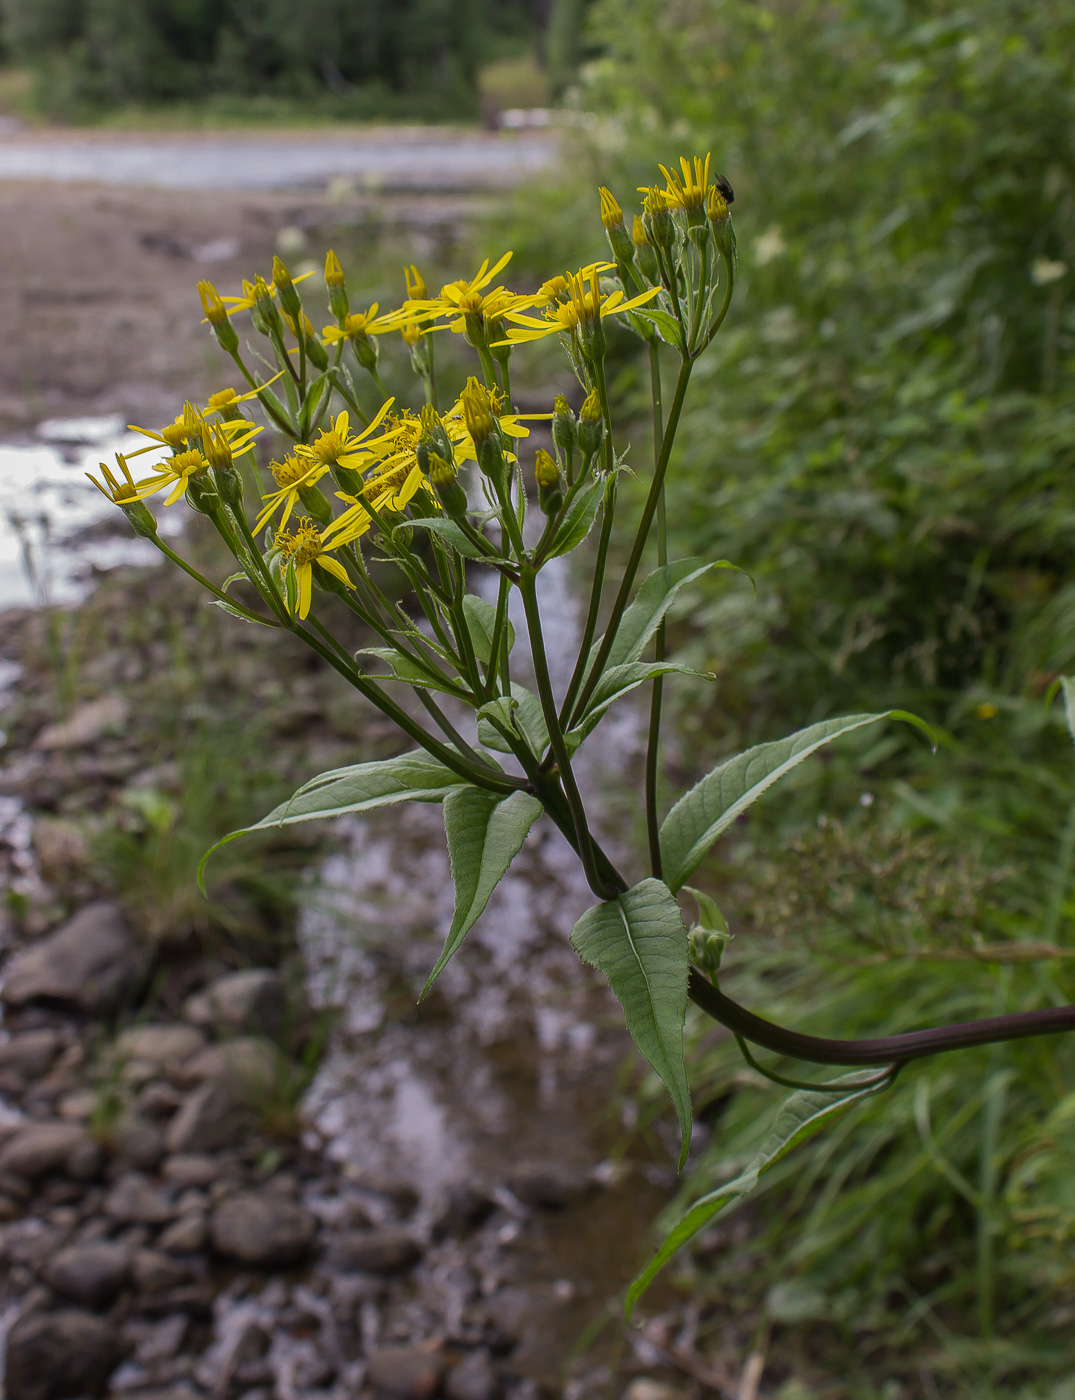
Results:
<point x="190" y="1169"/>
<point x="92" y="1275"/>
<point x="165" y="1047"/>
<point x="475" y="1378"/>
<point x="211" y="1117"/>
<point x="647" y="1388"/>
<point x="373" y="1251"/>
<point x="404" y="1373"/>
<point x="154" y="1271"/>
<point x="56" y="1355"/>
<point x="135" y="1201"/>
<point x="30" y="1053"/>
<point x="549" y="1187"/>
<point x="62" y="848"/>
<point x="263" y="1231"/>
<point x="41" y="1148"/>
<point x="465" y="1209"/>
<point x="253" y="1000"/>
<point x="85" y="724"/>
<point x="138" y="1143"/>
<point x="89" y="963"/>
<point x="187" y="1235"/>
<point x="251" y="1065"/>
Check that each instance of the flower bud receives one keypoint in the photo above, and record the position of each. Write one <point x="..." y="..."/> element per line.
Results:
<point x="202" y="493"/>
<point x="264" y="313"/>
<point x="365" y="352"/>
<point x="317" y="352"/>
<point x="445" y="482"/>
<point x="657" y="219"/>
<point x="647" y="258"/>
<point x="347" y="479"/>
<point x="416" y="287"/>
<point x="547" y="476"/>
<point x="720" y="221"/>
<point x="564" y="428"/>
<point x="337" y="291"/>
<point x="706" y="948"/>
<point x="216" y="313"/>
<point x="285" y="289"/>
<point x="591" y="424"/>
<point x="141" y="518"/>
<point x="316" y="504"/>
<point x="478" y="412"/>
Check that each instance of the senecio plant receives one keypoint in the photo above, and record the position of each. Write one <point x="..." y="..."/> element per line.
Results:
<point x="441" y="493"/>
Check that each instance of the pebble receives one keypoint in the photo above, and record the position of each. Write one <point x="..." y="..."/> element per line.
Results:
<point x="190" y="1169"/>
<point x="161" y="1046"/>
<point x="210" y="1118"/>
<point x="154" y="1271"/>
<point x="30" y="1053"/>
<point x="53" y="1356"/>
<point x="404" y="1373"/>
<point x="187" y="1236"/>
<point x="254" y="999"/>
<point x="134" y="1201"/>
<point x="475" y="1378"/>
<point x="373" y="1251"/>
<point x="89" y="963"/>
<point x="92" y="1275"/>
<point x="40" y="1148"/>
<point x="263" y="1231"/>
<point x="646" y="1388"/>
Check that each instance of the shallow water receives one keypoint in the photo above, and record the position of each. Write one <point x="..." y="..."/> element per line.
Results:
<point x="405" y="159"/>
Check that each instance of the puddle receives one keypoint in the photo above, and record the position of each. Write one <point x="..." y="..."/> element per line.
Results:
<point x="49" y="545"/>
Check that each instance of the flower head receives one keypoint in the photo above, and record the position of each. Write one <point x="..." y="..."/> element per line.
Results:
<point x="303" y="548"/>
<point x="689" y="191"/>
<point x="225" y="400"/>
<point x="357" y="324"/>
<point x="611" y="213"/>
<point x="583" y="305"/>
<point x="466" y="304"/>
<point x="254" y="291"/>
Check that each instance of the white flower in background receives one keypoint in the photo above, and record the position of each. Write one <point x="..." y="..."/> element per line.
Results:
<point x="769" y="245"/>
<point x="1045" y="271"/>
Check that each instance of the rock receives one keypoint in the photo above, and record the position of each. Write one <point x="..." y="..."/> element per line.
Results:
<point x="373" y="1251"/>
<point x="211" y="1117"/>
<point x="86" y="724"/>
<point x="53" y="1356"/>
<point x="41" y="1148"/>
<point x="92" y="1275"/>
<point x="254" y="1000"/>
<point x="90" y="963"/>
<point x="138" y="1143"/>
<point x="549" y="1187"/>
<point x="154" y="1271"/>
<point x="190" y="1169"/>
<point x="159" y="1100"/>
<point x="262" y="1231"/>
<point x="30" y="1053"/>
<point x="646" y="1388"/>
<point x="475" y="1378"/>
<point x="250" y="1065"/>
<point x="187" y="1236"/>
<point x="62" y="849"/>
<point x="465" y="1209"/>
<point x="404" y="1373"/>
<point x="134" y="1201"/>
<point x="402" y="1197"/>
<point x="163" y="1047"/>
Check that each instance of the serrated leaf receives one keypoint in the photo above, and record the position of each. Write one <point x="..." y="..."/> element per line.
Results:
<point x="578" y="522"/>
<point x="638" y="941"/>
<point x="666" y="324"/>
<point x="481" y="622"/>
<point x="798" y="1118"/>
<point x="655" y="596"/>
<point x="711" y="806"/>
<point x="405" y="668"/>
<point x="412" y="777"/>
<point x="617" y="682"/>
<point x="485" y="833"/>
<point x="449" y="531"/>
<point x="521" y="713"/>
<point x="1067" y="685"/>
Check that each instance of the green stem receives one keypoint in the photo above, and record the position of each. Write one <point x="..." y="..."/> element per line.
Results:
<point x="653" y="740"/>
<point x="200" y="578"/>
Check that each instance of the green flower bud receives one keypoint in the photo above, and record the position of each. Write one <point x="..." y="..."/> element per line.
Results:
<point x="316" y="504"/>
<point x="591" y="424"/>
<point x="142" y="520"/>
<point x="365" y="352"/>
<point x="337" y="291"/>
<point x="564" y="428"/>
<point x="446" y="484"/>
<point x="285" y="289"/>
<point x="547" y="476"/>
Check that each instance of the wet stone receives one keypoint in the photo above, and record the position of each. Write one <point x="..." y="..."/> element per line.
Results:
<point x="135" y="1201"/>
<point x="162" y="1046"/>
<point x="190" y="1169"/>
<point x="89" y="963"/>
<point x="475" y="1378"/>
<point x="41" y="1148"/>
<point x="187" y="1236"/>
<point x="54" y="1356"/>
<point x="373" y="1251"/>
<point x="404" y="1373"/>
<point x="254" y="1000"/>
<point x="31" y="1052"/>
<point x="262" y="1230"/>
<point x="92" y="1275"/>
<point x="210" y="1118"/>
<point x="154" y="1271"/>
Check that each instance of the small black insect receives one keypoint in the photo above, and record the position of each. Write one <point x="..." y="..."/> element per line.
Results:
<point x="725" y="189"/>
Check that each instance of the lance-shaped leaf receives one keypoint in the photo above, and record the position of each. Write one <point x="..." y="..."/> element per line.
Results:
<point x="481" y="624"/>
<point x="451" y="533"/>
<point x="412" y="777"/>
<point x="579" y="519"/>
<point x="638" y="941"/>
<point x="619" y="681"/>
<point x="799" y="1118"/>
<point x="485" y="833"/>
<point x="406" y="668"/>
<point x="522" y="713"/>
<point x="711" y="806"/>
<point x="655" y="596"/>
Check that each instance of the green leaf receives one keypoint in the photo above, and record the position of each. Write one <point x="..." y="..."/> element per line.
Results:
<point x="405" y="668"/>
<point x="666" y="324"/>
<point x="239" y="613"/>
<point x="481" y="621"/>
<point x="638" y="941"/>
<point x="485" y="833"/>
<point x="578" y="522"/>
<point x="711" y="806"/>
<point x="412" y="777"/>
<point x="449" y="531"/>
<point x="798" y="1118"/>
<point x="1067" y="685"/>
<point x="617" y="682"/>
<point x="653" y="599"/>
<point x="522" y="714"/>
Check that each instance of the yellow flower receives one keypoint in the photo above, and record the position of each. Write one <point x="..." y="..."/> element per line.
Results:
<point x="583" y="305"/>
<point x="338" y="446"/>
<point x="187" y="428"/>
<point x="416" y="283"/>
<point x="249" y="296"/>
<point x="303" y="549"/>
<point x="690" y="191"/>
<point x="225" y="399"/>
<point x="119" y="492"/>
<point x="291" y="477"/>
<point x="463" y="299"/>
<point x="174" y="472"/>
<point x="611" y="213"/>
<point x="359" y="323"/>
<point x="986" y="710"/>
